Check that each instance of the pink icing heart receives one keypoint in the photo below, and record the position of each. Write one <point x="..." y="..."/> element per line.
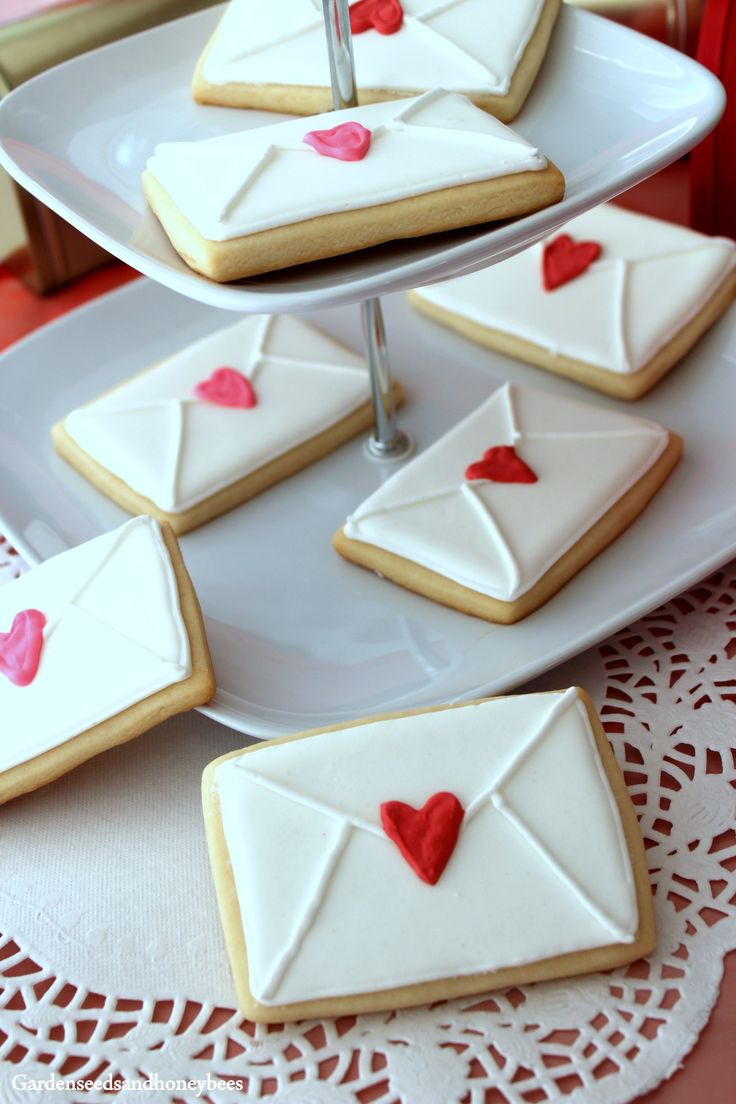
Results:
<point x="385" y="15"/>
<point x="347" y="142"/>
<point x="20" y="649"/>
<point x="500" y="464"/>
<point x="226" y="387"/>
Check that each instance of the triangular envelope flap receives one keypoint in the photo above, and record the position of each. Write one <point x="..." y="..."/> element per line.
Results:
<point x="562" y="795"/>
<point x="442" y="466"/>
<point x="133" y="592"/>
<point x="218" y="168"/>
<point x="139" y="445"/>
<point x="177" y="375"/>
<point x="294" y="402"/>
<point x="52" y="585"/>
<point x="354" y="770"/>
<point x="289" y="337"/>
<point x="419" y="512"/>
<point x="496" y="904"/>
<point x="230" y="347"/>
<point x="501" y="297"/>
<point x="662" y="293"/>
<point x="416" y="57"/>
<point x="284" y="41"/>
<point x="266" y="25"/>
<point x="454" y="113"/>
<point x="627" y="235"/>
<point x="500" y="48"/>
<point x="542" y="413"/>
<point x="579" y="479"/>
<point x="277" y="848"/>
<point x="428" y="531"/>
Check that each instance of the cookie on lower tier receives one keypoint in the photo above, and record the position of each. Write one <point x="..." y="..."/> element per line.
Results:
<point x="273" y="56"/>
<point x="415" y="857"/>
<point x="302" y="190"/>
<point x="502" y="511"/>
<point x="613" y="302"/>
<point x="99" y="644"/>
<point x="221" y="420"/>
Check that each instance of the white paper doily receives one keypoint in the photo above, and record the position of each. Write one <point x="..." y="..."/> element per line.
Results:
<point x="112" y="964"/>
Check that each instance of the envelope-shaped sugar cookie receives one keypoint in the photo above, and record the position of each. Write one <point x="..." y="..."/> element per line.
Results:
<point x="280" y="195"/>
<point x="614" y="301"/>
<point x="274" y="55"/>
<point x="405" y="859"/>
<point x="221" y="420"/>
<point x="504" y="509"/>
<point x="97" y="645"/>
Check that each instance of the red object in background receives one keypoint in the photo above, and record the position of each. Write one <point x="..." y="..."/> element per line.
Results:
<point x="21" y="310"/>
<point x="713" y="163"/>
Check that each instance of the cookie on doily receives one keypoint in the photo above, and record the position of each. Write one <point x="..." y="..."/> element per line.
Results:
<point x="410" y="858"/>
<point x="296" y="191"/>
<point x="504" y="509"/>
<point x="221" y="420"/>
<point x="274" y="56"/>
<point x="98" y="644"/>
<point x="613" y="302"/>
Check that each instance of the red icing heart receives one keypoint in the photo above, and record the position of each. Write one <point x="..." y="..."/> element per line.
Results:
<point x="501" y="465"/>
<point x="563" y="259"/>
<point x="226" y="387"/>
<point x="347" y="142"/>
<point x="20" y="649"/>
<point x="426" y="837"/>
<point x="385" y="15"/>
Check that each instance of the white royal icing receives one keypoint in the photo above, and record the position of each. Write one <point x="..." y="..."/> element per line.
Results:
<point x="114" y="635"/>
<point x="256" y="179"/>
<point x="650" y="280"/>
<point x="176" y="449"/>
<point x="330" y="907"/>
<point x="500" y="538"/>
<point x="471" y="46"/>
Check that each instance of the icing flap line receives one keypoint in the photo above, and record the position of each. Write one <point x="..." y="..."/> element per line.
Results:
<point x="226" y="387"/>
<point x="20" y="649"/>
<point x="426" y="837"/>
<point x="386" y="16"/>
<point x="347" y="142"/>
<point x="564" y="259"/>
<point x="501" y="464"/>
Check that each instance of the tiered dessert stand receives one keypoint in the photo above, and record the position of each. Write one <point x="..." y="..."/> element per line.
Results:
<point x="300" y="638"/>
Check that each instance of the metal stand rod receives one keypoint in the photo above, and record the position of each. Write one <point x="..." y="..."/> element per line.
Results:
<point x="388" y="441"/>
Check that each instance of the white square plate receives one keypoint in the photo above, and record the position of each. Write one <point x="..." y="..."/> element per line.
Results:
<point x="610" y="107"/>
<point x="300" y="638"/>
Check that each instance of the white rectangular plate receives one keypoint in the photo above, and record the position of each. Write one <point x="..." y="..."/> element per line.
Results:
<point x="610" y="107"/>
<point x="299" y="637"/>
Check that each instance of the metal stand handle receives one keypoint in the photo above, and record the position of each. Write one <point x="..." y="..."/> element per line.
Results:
<point x="388" y="441"/>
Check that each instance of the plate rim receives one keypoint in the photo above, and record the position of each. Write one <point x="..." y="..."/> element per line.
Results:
<point x="269" y="722"/>
<point x="465" y="256"/>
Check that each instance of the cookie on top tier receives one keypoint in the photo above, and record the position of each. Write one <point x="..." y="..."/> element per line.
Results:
<point x="273" y="56"/>
<point x="280" y="195"/>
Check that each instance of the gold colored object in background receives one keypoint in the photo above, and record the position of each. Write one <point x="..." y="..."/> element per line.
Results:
<point x="36" y="244"/>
